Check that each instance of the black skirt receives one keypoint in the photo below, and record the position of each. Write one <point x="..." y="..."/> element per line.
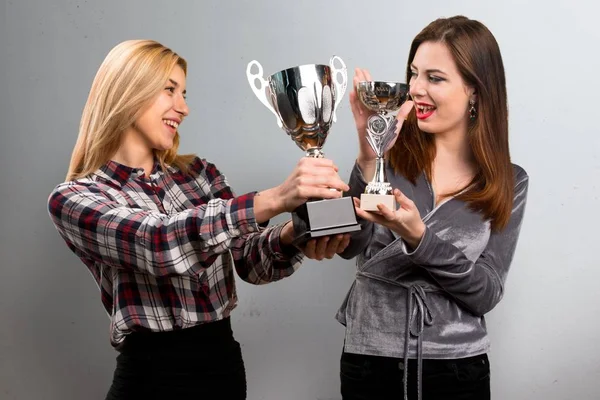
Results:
<point x="203" y="362"/>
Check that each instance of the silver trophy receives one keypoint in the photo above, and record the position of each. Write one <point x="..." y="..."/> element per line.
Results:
<point x="385" y="99"/>
<point x="304" y="99"/>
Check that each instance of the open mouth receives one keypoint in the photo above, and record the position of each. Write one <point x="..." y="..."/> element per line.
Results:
<point x="173" y="124"/>
<point x="424" y="111"/>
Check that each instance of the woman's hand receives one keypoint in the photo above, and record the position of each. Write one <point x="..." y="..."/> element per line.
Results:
<point x="319" y="248"/>
<point x="405" y="221"/>
<point x="312" y="178"/>
<point x="366" y="155"/>
<point x="326" y="246"/>
<point x="361" y="115"/>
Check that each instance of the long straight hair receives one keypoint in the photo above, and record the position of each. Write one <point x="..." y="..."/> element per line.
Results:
<point x="477" y="56"/>
<point x="128" y="80"/>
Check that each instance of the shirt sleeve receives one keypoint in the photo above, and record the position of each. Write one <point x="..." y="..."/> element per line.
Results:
<point x="97" y="227"/>
<point x="261" y="258"/>
<point x="478" y="285"/>
<point x="258" y="255"/>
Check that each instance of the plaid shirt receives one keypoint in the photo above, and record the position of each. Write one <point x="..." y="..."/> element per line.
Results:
<point x="162" y="248"/>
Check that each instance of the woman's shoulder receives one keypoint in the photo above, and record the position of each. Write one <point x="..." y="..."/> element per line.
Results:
<point x="520" y="174"/>
<point x="197" y="167"/>
<point x="87" y="183"/>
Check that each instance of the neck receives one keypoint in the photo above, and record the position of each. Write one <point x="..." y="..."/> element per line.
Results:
<point x="134" y="152"/>
<point x="454" y="151"/>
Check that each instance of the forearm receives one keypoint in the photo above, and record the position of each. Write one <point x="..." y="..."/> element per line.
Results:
<point x="98" y="228"/>
<point x="267" y="204"/>
<point x="476" y="285"/>
<point x="265" y="257"/>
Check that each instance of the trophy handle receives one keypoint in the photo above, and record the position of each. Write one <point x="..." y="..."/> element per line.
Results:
<point x="340" y="88"/>
<point x="261" y="91"/>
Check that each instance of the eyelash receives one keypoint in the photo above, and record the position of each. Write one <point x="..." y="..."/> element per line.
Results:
<point x="432" y="78"/>
<point x="172" y="90"/>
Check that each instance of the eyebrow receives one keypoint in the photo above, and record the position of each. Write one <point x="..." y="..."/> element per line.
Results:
<point x="429" y="71"/>
<point x="176" y="84"/>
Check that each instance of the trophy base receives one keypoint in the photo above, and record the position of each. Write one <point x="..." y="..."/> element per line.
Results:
<point x="368" y="202"/>
<point x="318" y="218"/>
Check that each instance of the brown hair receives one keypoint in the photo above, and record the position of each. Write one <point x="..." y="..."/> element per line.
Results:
<point x="129" y="79"/>
<point x="479" y="62"/>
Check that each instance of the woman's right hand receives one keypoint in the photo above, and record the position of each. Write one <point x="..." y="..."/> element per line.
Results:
<point x="312" y="178"/>
<point x="361" y="115"/>
<point x="366" y="155"/>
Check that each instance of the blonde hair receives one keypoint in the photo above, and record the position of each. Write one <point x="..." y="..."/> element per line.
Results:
<point x="129" y="79"/>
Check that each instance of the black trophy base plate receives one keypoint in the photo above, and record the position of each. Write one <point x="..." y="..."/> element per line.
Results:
<point x="318" y="218"/>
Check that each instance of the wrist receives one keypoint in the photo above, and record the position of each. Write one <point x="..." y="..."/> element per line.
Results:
<point x="286" y="237"/>
<point x="367" y="168"/>
<point x="365" y="162"/>
<point x="415" y="237"/>
<point x="267" y="204"/>
<point x="367" y="159"/>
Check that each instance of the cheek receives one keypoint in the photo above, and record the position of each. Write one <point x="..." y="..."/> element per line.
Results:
<point x="151" y="129"/>
<point x="457" y="110"/>
<point x="142" y="124"/>
<point x="454" y="106"/>
<point x="163" y="104"/>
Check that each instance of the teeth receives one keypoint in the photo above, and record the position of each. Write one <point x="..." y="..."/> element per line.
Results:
<point x="171" y="123"/>
<point x="425" y="109"/>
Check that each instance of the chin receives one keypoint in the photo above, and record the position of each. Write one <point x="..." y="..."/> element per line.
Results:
<point x="424" y="127"/>
<point x="429" y="128"/>
<point x="165" y="146"/>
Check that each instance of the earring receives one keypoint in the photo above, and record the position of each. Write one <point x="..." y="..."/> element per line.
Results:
<point x="472" y="110"/>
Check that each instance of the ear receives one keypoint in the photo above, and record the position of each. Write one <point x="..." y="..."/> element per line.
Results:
<point x="472" y="93"/>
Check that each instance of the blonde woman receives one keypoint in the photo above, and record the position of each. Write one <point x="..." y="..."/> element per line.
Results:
<point x="161" y="233"/>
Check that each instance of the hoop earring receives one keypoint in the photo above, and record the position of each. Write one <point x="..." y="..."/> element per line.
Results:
<point x="472" y="110"/>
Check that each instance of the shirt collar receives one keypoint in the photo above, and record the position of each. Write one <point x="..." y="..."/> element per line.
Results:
<point x="122" y="174"/>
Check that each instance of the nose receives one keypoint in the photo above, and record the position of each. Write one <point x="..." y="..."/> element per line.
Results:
<point x="181" y="106"/>
<point x="417" y="88"/>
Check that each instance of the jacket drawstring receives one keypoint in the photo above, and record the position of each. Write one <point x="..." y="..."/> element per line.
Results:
<point x="418" y="314"/>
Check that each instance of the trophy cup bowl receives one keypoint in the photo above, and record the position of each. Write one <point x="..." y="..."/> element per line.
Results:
<point x="384" y="99"/>
<point x="304" y="100"/>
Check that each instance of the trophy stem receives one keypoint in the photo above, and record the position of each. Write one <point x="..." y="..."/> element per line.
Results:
<point x="379" y="184"/>
<point x="314" y="152"/>
<point x="379" y="176"/>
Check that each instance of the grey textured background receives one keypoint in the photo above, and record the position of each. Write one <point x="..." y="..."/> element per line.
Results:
<point x="53" y="330"/>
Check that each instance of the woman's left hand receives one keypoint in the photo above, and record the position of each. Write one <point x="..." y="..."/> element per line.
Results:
<point x="319" y="248"/>
<point x="405" y="221"/>
<point x="326" y="246"/>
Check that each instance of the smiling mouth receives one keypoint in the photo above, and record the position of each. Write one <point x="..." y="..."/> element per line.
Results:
<point x="171" y="123"/>
<point x="424" y="112"/>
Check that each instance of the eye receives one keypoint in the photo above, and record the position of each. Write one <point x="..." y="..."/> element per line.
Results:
<point x="170" y="89"/>
<point x="435" y="79"/>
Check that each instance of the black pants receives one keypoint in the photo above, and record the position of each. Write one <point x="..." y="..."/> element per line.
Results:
<point x="204" y="362"/>
<point x="381" y="378"/>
